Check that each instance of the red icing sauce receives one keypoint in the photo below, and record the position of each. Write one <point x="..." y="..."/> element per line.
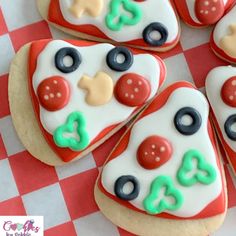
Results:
<point x="209" y="11"/>
<point x="67" y="154"/>
<point x="153" y="152"/>
<point x="132" y="90"/>
<point x="54" y="93"/>
<point x="228" y="92"/>
<point x="216" y="207"/>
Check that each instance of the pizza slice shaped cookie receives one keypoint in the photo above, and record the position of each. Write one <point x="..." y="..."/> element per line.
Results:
<point x="165" y="175"/>
<point x="224" y="37"/>
<point x="151" y="24"/>
<point x="221" y="92"/>
<point x="77" y="95"/>
<point x="200" y="13"/>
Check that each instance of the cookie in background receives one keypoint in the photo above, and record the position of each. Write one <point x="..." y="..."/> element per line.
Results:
<point x="202" y="13"/>
<point x="221" y="93"/>
<point x="151" y="25"/>
<point x="224" y="37"/>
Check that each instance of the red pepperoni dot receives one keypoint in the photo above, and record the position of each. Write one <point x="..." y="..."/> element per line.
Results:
<point x="132" y="90"/>
<point x="153" y="152"/>
<point x="228" y="92"/>
<point x="54" y="93"/>
<point x="209" y="11"/>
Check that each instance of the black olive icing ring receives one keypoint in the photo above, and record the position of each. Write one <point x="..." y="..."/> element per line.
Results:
<point x="113" y="63"/>
<point x="119" y="187"/>
<point x="228" y="127"/>
<point x="193" y="127"/>
<point x="158" y="27"/>
<point x="64" y="52"/>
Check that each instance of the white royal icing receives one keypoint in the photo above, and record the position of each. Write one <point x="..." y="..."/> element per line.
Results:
<point x="191" y="8"/>
<point x="222" y="27"/>
<point x="214" y="82"/>
<point x="153" y="11"/>
<point x="161" y="123"/>
<point x="93" y="61"/>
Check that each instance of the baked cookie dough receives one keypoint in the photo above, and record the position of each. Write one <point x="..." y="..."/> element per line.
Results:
<point x="68" y="97"/>
<point x="165" y="176"/>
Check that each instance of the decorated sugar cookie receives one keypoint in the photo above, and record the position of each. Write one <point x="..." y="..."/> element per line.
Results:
<point x="81" y="93"/>
<point x="145" y="24"/>
<point x="221" y="92"/>
<point x="224" y="37"/>
<point x="199" y="13"/>
<point x="165" y="174"/>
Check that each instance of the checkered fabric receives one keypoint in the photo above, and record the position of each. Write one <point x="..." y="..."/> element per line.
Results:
<point x="64" y="195"/>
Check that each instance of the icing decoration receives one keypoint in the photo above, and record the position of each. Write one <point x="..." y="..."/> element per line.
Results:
<point x="113" y="56"/>
<point x="74" y="143"/>
<point x="223" y="115"/>
<point x="97" y="27"/>
<point x="228" y="92"/>
<point x="119" y="187"/>
<point x="92" y="7"/>
<point x="123" y="19"/>
<point x="67" y="52"/>
<point x="132" y="90"/>
<point x="150" y="202"/>
<point x="100" y="123"/>
<point x="199" y="13"/>
<point x="188" y="129"/>
<point x="157" y="120"/>
<point x="160" y="29"/>
<point x="100" y="88"/>
<point x="227" y="43"/>
<point x="228" y="127"/>
<point x="222" y="38"/>
<point x="154" y="152"/>
<point x="209" y="11"/>
<point x="53" y="93"/>
<point x="205" y="174"/>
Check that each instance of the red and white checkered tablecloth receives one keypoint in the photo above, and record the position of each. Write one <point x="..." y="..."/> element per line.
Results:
<point x="64" y="195"/>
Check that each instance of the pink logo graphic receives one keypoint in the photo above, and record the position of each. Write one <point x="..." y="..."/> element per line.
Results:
<point x="24" y="228"/>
